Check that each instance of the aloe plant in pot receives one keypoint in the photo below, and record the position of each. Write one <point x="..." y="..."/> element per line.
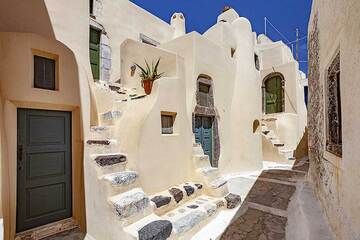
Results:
<point x="149" y="74"/>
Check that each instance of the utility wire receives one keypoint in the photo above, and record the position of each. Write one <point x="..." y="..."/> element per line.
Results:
<point x="277" y="30"/>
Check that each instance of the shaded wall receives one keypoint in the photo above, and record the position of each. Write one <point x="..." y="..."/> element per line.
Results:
<point x="334" y="26"/>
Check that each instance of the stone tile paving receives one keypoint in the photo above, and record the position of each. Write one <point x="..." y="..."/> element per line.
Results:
<point x="74" y="234"/>
<point x="256" y="225"/>
<point x="271" y="194"/>
<point x="273" y="189"/>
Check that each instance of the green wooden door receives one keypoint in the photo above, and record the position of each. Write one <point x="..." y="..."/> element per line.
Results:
<point x="203" y="131"/>
<point x="44" y="187"/>
<point x="274" y="95"/>
<point x="95" y="52"/>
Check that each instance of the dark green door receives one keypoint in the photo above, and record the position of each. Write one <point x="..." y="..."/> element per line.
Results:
<point x="95" y="52"/>
<point x="274" y="95"/>
<point x="204" y="133"/>
<point x="43" y="168"/>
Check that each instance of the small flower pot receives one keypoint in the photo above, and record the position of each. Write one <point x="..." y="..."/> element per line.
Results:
<point x="147" y="85"/>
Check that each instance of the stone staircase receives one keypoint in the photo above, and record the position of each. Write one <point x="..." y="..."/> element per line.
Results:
<point x="270" y="136"/>
<point x="174" y="213"/>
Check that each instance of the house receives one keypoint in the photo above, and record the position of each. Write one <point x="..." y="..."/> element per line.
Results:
<point x="333" y="112"/>
<point x="83" y="146"/>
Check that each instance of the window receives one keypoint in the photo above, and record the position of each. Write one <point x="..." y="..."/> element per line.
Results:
<point x="333" y="107"/>
<point x="147" y="40"/>
<point x="44" y="73"/>
<point x="92" y="7"/>
<point x="167" y="122"/>
<point x="95" y="52"/>
<point x="204" y="98"/>
<point x="257" y="62"/>
<point x="233" y="50"/>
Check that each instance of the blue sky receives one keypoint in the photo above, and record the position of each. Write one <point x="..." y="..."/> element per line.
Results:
<point x="200" y="15"/>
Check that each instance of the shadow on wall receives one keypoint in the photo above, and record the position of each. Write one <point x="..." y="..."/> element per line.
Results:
<point x="302" y="148"/>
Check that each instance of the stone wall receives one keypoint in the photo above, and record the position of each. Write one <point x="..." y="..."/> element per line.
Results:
<point x="333" y="28"/>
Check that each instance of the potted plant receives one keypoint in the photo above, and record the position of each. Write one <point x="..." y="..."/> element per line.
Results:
<point x="148" y="75"/>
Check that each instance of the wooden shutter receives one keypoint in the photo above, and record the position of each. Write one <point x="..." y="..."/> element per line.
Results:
<point x="44" y="73"/>
<point x="95" y="52"/>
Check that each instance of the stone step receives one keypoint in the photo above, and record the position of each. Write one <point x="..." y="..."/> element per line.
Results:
<point x="169" y="199"/>
<point x="193" y="215"/>
<point x="102" y="145"/>
<point x="109" y="163"/>
<point x="201" y="160"/>
<point x="210" y="173"/>
<point x="119" y="182"/>
<point x="110" y="117"/>
<point x="131" y="206"/>
<point x="182" y="221"/>
<point x="218" y="187"/>
<point x="197" y="149"/>
<point x="101" y="132"/>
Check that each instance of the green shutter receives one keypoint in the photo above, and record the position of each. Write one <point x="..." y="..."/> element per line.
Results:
<point x="95" y="53"/>
<point x="274" y="95"/>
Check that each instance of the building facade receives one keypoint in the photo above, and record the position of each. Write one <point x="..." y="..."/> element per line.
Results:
<point x="333" y="136"/>
<point x="83" y="145"/>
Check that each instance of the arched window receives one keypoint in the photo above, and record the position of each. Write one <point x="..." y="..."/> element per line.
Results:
<point x="273" y="94"/>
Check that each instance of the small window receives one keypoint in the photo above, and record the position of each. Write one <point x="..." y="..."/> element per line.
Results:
<point x="204" y="88"/>
<point x="147" y="40"/>
<point x="167" y="122"/>
<point x="233" y="50"/>
<point x="92" y="7"/>
<point x="257" y="62"/>
<point x="333" y="106"/>
<point x="44" y="73"/>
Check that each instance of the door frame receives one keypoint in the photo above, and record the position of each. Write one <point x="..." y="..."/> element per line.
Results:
<point x="10" y="177"/>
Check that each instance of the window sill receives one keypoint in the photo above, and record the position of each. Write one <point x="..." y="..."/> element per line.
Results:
<point x="170" y="135"/>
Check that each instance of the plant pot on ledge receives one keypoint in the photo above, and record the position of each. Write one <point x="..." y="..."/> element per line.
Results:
<point x="148" y="75"/>
<point x="147" y="85"/>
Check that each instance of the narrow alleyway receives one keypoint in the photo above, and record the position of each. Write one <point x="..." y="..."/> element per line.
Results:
<point x="267" y="204"/>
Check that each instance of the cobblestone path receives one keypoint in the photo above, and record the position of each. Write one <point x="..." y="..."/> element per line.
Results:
<point x="266" y="203"/>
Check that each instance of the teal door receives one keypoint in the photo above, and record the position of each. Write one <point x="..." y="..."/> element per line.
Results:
<point x="203" y="131"/>
<point x="43" y="168"/>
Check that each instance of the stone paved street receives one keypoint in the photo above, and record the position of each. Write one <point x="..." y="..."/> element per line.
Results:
<point x="267" y="202"/>
<point x="68" y="235"/>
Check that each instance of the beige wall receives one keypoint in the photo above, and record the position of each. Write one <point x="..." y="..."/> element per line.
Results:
<point x="16" y="74"/>
<point x="336" y="179"/>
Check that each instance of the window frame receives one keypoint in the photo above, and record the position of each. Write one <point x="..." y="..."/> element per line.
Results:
<point x="333" y="74"/>
<point x="171" y="115"/>
<point x="50" y="56"/>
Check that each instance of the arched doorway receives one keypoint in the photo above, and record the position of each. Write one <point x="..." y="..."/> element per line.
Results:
<point x="273" y="94"/>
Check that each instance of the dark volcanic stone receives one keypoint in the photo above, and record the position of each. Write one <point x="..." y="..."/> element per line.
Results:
<point x="157" y="230"/>
<point x="266" y="132"/>
<point x="108" y="160"/>
<point x="161" y="200"/>
<point x="98" y="142"/>
<point x="198" y="185"/>
<point x="279" y="144"/>
<point x="189" y="190"/>
<point x="114" y="88"/>
<point x="193" y="206"/>
<point x="177" y="194"/>
<point x="232" y="200"/>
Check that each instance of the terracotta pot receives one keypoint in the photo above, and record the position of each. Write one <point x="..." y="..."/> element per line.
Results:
<point x="147" y="85"/>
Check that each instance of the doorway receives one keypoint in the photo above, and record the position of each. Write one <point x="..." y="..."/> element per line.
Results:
<point x="44" y="168"/>
<point x="274" y="95"/>
<point x="203" y="131"/>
